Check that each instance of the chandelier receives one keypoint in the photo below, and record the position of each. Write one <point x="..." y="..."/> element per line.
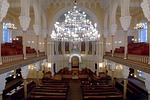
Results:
<point x="139" y="26"/>
<point x="75" y="28"/>
<point x="10" y="26"/>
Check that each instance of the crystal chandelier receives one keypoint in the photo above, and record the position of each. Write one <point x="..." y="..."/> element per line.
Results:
<point x="75" y="28"/>
<point x="139" y="26"/>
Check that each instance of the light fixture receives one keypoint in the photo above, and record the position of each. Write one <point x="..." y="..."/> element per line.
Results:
<point x="10" y="25"/>
<point x="139" y="25"/>
<point x="75" y="28"/>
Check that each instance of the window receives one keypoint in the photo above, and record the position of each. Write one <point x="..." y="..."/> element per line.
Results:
<point x="143" y="33"/>
<point x="82" y="46"/>
<point x="7" y="34"/>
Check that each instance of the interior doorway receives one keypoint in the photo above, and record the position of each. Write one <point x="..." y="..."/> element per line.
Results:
<point x="75" y="62"/>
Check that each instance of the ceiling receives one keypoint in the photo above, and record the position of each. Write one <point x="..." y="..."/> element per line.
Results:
<point x="134" y="5"/>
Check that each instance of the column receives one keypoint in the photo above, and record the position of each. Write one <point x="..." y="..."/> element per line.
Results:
<point x="70" y="67"/>
<point x="24" y="45"/>
<point x="113" y="67"/>
<point x="37" y="45"/>
<point x="1" y="42"/>
<point x="24" y="22"/>
<point x="87" y="47"/>
<point x="80" y="66"/>
<point x="148" y="32"/>
<point x="147" y="84"/>
<point x="125" y="44"/>
<point x="44" y="31"/>
<point x="125" y="73"/>
<point x="93" y="47"/>
<point x="37" y="30"/>
<point x="24" y="73"/>
<point x="104" y="40"/>
<point x="112" y="46"/>
<point x="2" y="84"/>
<point x="37" y="68"/>
<point x="125" y="23"/>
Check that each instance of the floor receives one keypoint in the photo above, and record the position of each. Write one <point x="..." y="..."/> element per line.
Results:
<point x="75" y="92"/>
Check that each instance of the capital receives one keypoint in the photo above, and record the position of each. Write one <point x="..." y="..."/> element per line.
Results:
<point x="125" y="22"/>
<point x="4" y="5"/>
<point x="125" y="71"/>
<point x="37" y="28"/>
<point x="113" y="28"/>
<point x="24" y="22"/>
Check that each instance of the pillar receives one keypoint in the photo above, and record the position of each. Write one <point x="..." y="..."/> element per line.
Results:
<point x="125" y="44"/>
<point x="24" y="45"/>
<point x="37" y="68"/>
<point x="112" y="45"/>
<point x="37" y="45"/>
<point x="148" y="32"/>
<point x="125" y="23"/>
<point x="24" y="73"/>
<point x="70" y="67"/>
<point x="147" y="84"/>
<point x="113" y="67"/>
<point x="105" y="33"/>
<point x="2" y="84"/>
<point x="80" y="66"/>
<point x="125" y="73"/>
<point x="1" y="42"/>
<point x="37" y="30"/>
<point x="24" y="22"/>
<point x="3" y="11"/>
<point x="44" y="31"/>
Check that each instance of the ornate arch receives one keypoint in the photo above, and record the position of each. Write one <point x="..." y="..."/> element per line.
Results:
<point x="77" y="55"/>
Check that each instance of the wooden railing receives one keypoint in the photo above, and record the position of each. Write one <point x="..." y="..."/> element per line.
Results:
<point x="7" y="59"/>
<point x="138" y="58"/>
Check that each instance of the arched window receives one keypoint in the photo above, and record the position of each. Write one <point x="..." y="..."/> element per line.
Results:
<point x="83" y="46"/>
<point x="143" y="33"/>
<point x="66" y="46"/>
<point x="59" y="47"/>
<point x="7" y="34"/>
<point x="90" y="46"/>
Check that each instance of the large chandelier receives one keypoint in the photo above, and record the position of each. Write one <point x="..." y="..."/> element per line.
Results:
<point x="75" y="28"/>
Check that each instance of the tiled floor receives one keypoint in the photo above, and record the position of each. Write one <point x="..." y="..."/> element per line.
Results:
<point x="75" y="92"/>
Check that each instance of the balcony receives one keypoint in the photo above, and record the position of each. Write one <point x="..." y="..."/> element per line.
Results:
<point x="139" y="62"/>
<point x="17" y="61"/>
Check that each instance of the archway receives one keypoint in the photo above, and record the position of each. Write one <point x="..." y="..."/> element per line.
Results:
<point x="75" y="62"/>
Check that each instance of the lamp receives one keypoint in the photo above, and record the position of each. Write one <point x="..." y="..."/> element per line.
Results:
<point x="75" y="28"/>
<point x="10" y="25"/>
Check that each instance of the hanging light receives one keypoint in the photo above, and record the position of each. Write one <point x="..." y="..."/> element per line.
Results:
<point x="75" y="28"/>
<point x="10" y="25"/>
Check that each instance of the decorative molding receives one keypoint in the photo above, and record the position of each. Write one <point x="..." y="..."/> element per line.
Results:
<point x="24" y="22"/>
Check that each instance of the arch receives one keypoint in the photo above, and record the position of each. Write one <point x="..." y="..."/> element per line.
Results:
<point x="44" y="20"/>
<point x="62" y="11"/>
<point x="77" y="55"/>
<point x="36" y="13"/>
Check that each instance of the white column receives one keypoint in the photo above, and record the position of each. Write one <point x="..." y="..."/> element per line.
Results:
<point x="113" y="29"/>
<point x="37" y="68"/>
<point x="87" y="47"/>
<point x="148" y="32"/>
<point x="93" y="47"/>
<point x="125" y="23"/>
<point x="37" y="29"/>
<point x="24" y="73"/>
<point x="70" y="67"/>
<point x="125" y="74"/>
<point x="4" y="5"/>
<point x="147" y="84"/>
<point x="1" y="42"/>
<point x="104" y="43"/>
<point x="80" y="66"/>
<point x="63" y="47"/>
<point x="113" y="67"/>
<point x="2" y="84"/>
<point x="44" y="31"/>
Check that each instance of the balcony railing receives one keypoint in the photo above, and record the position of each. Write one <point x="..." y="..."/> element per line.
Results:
<point x="13" y="58"/>
<point x="138" y="58"/>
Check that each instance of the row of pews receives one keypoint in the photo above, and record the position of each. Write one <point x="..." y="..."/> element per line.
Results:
<point x="50" y="90"/>
<point x="94" y="90"/>
<point x="16" y="91"/>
